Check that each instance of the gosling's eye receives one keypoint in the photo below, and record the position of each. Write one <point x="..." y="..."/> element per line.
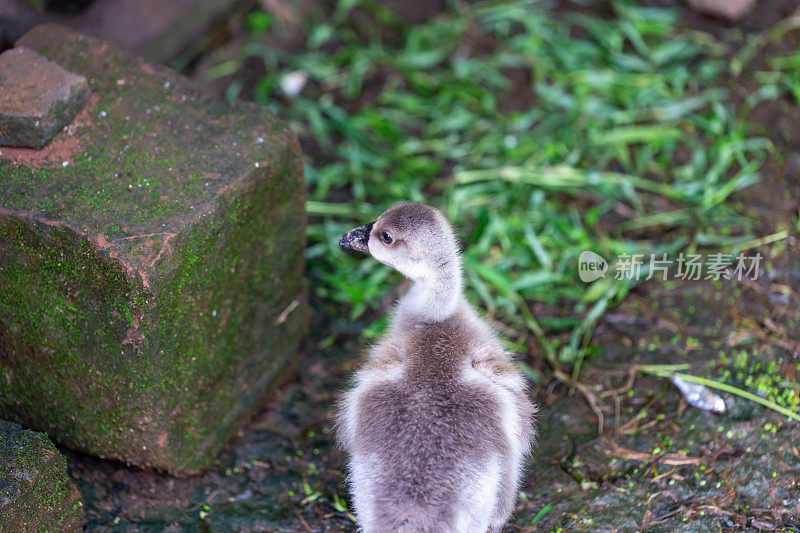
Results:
<point x="385" y="237"/>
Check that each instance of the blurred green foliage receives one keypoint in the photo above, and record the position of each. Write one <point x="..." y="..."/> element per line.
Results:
<point x="539" y="133"/>
<point x="781" y="77"/>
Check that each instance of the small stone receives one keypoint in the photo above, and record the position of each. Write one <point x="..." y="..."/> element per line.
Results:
<point x="292" y="83"/>
<point x="36" y="493"/>
<point x="37" y="98"/>
<point x="727" y="9"/>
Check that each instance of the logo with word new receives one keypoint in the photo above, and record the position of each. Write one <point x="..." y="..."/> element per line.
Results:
<point x="591" y="266"/>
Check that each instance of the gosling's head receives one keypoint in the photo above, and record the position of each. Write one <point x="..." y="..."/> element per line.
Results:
<point x="413" y="238"/>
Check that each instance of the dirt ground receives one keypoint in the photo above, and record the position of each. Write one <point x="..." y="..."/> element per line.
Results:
<point x="657" y="465"/>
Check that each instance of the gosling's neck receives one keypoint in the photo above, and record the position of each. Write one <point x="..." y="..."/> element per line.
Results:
<point x="435" y="296"/>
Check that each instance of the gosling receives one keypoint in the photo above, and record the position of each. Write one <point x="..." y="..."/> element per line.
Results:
<point x="439" y="422"/>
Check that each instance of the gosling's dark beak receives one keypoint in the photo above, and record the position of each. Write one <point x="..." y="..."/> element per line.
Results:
<point x="357" y="238"/>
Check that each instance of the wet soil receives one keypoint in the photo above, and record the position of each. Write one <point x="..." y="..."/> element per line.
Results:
<point x="641" y="460"/>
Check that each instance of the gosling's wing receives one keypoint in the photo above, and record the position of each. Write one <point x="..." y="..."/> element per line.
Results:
<point x="376" y="373"/>
<point x="499" y="370"/>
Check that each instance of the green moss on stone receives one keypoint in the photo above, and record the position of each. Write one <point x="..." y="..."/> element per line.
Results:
<point x="36" y="493"/>
<point x="147" y="277"/>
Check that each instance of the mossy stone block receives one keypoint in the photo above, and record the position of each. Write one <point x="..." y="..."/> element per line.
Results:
<point x="151" y="260"/>
<point x="36" y="493"/>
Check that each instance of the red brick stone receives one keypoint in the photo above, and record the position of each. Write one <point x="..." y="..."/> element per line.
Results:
<point x="37" y="98"/>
